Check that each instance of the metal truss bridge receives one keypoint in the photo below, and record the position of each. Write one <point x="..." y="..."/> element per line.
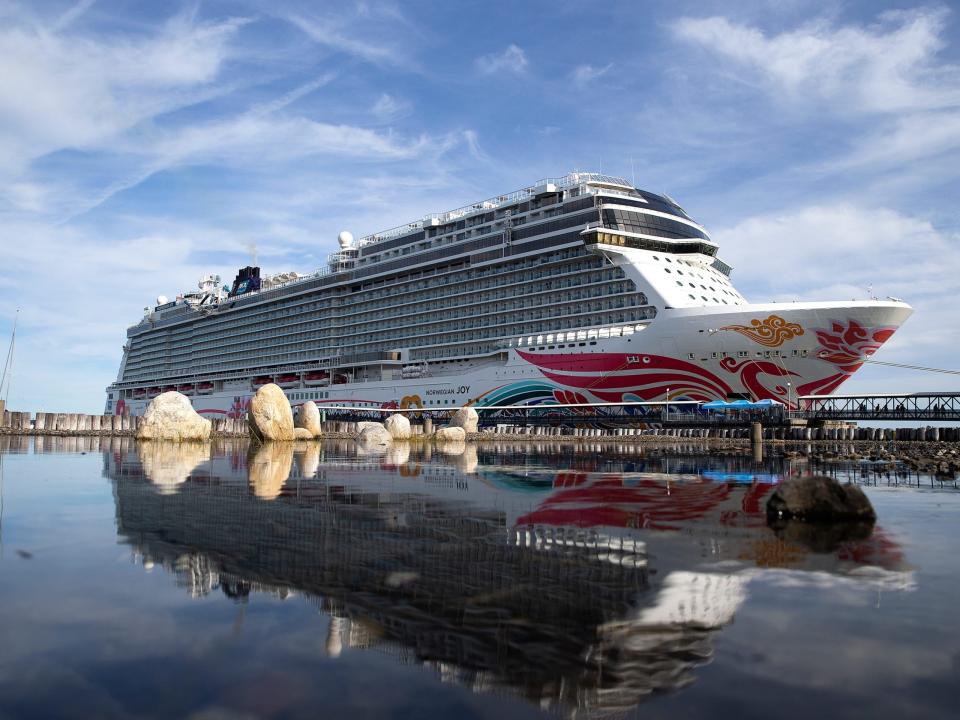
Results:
<point x="925" y="407"/>
<point x="906" y="407"/>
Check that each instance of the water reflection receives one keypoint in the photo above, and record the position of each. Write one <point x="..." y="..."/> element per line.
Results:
<point x="582" y="589"/>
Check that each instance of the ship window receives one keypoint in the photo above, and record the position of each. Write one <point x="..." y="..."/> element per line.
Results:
<point x="692" y="297"/>
<point x="666" y="270"/>
<point x="679" y="283"/>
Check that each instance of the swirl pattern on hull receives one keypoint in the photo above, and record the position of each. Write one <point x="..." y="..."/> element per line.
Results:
<point x="848" y="345"/>
<point x="608" y="376"/>
<point x="772" y="332"/>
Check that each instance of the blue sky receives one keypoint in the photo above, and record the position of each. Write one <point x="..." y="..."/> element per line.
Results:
<point x="143" y="145"/>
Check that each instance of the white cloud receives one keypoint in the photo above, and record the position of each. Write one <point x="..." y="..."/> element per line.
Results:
<point x="389" y="107"/>
<point x="837" y="252"/>
<point x="512" y="60"/>
<point x="883" y="68"/>
<point x="584" y="75"/>
<point x="342" y="36"/>
<point x="58" y="90"/>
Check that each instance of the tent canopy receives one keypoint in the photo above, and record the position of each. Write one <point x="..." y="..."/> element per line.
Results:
<point x="724" y="406"/>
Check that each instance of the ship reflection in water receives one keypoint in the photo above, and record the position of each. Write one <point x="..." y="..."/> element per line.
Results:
<point x="583" y="590"/>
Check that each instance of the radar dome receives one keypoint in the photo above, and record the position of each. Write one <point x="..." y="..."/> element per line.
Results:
<point x="162" y="300"/>
<point x="345" y="238"/>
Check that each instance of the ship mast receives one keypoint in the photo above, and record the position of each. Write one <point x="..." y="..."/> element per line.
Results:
<point x="8" y="363"/>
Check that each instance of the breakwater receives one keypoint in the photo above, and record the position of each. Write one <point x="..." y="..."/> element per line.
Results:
<point x="49" y="423"/>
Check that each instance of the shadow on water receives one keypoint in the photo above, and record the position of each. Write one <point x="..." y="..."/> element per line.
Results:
<point x="581" y="581"/>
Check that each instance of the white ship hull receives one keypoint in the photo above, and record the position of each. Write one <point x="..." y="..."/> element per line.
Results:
<point x="758" y="351"/>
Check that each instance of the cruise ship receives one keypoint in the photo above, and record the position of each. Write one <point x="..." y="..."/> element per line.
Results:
<point x="578" y="289"/>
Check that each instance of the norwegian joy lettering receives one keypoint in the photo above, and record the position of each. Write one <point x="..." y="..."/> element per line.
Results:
<point x="462" y="390"/>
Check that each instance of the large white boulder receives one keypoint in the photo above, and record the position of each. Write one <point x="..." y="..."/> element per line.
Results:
<point x="398" y="426"/>
<point x="301" y="433"/>
<point x="309" y="418"/>
<point x="270" y="416"/>
<point x="450" y="434"/>
<point x="466" y="418"/>
<point x="367" y="423"/>
<point x="170" y="416"/>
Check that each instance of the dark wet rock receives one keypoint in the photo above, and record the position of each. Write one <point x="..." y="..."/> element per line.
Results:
<point x="819" y="499"/>
<point x="820" y="537"/>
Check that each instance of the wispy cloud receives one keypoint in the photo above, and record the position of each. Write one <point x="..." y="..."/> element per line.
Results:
<point x="339" y="36"/>
<point x="389" y="107"/>
<point x="82" y="93"/>
<point x="887" y="67"/>
<point x="585" y="75"/>
<point x="512" y="60"/>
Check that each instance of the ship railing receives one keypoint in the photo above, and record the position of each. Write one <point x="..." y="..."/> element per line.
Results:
<point x="563" y="182"/>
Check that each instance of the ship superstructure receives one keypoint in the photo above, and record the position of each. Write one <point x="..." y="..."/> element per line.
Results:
<point x="576" y="289"/>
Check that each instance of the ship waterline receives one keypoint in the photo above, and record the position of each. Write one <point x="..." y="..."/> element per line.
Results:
<point x="578" y="289"/>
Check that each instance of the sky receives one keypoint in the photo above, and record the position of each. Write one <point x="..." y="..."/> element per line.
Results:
<point x="143" y="145"/>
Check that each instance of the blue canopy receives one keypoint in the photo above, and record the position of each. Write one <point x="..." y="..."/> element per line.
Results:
<point x="723" y="406"/>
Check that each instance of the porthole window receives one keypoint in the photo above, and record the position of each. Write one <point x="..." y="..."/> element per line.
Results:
<point x="679" y="283"/>
<point x="692" y="297"/>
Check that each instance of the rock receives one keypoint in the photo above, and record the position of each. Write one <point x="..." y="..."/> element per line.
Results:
<point x="302" y="433"/>
<point x="270" y="416"/>
<point x="398" y="426"/>
<point x="309" y="418"/>
<point x="365" y="424"/>
<point x="819" y="499"/>
<point x="373" y="434"/>
<point x="170" y="416"/>
<point x="466" y="418"/>
<point x="450" y="434"/>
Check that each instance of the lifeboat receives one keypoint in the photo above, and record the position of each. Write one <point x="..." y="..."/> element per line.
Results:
<point x="153" y="392"/>
<point x="139" y="392"/>
<point x="188" y="388"/>
<point x="340" y="379"/>
<point x="289" y="380"/>
<point x="205" y="387"/>
<point x="317" y="377"/>
<point x="259" y="382"/>
<point x="169" y="388"/>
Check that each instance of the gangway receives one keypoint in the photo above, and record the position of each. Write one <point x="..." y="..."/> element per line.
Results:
<point x="925" y="406"/>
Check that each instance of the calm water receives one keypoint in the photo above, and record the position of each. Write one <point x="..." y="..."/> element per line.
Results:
<point x="492" y="582"/>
